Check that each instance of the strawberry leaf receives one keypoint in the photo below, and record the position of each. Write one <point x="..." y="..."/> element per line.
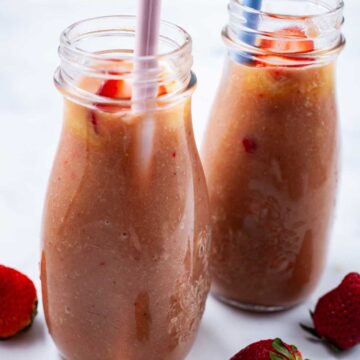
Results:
<point x="279" y="346"/>
<point x="310" y="330"/>
<point x="273" y="356"/>
<point x="333" y="347"/>
<point x="297" y="356"/>
<point x="313" y="332"/>
<point x="295" y="352"/>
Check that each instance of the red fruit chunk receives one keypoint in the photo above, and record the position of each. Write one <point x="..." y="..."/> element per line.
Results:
<point x="114" y="89"/>
<point x="269" y="350"/>
<point x="94" y="122"/>
<point x="18" y="302"/>
<point x="120" y="90"/>
<point x="292" y="41"/>
<point x="250" y="145"/>
<point x="162" y="90"/>
<point x="108" y="89"/>
<point x="337" y="314"/>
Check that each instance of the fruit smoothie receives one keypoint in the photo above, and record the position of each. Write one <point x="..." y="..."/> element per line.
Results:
<point x="126" y="224"/>
<point x="271" y="162"/>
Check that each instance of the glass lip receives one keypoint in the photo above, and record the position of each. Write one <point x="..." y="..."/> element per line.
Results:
<point x="340" y="5"/>
<point x="309" y="58"/>
<point x="68" y="42"/>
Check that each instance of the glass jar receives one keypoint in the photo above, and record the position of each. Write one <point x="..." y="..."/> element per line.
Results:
<point x="125" y="246"/>
<point x="271" y="152"/>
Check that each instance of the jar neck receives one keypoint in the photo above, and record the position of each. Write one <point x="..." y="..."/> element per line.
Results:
<point x="285" y="32"/>
<point x="98" y="50"/>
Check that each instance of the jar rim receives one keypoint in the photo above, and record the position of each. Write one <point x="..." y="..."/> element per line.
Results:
<point x="328" y="12"/>
<point x="292" y="59"/>
<point x="67" y="39"/>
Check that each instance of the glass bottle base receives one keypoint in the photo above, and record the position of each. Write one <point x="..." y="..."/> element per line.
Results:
<point x="251" y="307"/>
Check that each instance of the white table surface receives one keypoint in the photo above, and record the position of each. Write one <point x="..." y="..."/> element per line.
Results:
<point x="30" y="119"/>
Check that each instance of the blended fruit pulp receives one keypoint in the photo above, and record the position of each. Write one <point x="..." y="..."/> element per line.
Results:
<point x="271" y="161"/>
<point x="125" y="234"/>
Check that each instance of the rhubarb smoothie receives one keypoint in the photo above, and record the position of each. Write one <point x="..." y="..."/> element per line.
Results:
<point x="126" y="223"/>
<point x="271" y="162"/>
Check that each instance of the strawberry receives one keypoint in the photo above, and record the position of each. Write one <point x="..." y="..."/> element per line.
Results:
<point x="337" y="315"/>
<point x="291" y="40"/>
<point x="162" y="90"/>
<point x="269" y="350"/>
<point x="115" y="89"/>
<point x="18" y="302"/>
<point x="121" y="90"/>
<point x="285" y="42"/>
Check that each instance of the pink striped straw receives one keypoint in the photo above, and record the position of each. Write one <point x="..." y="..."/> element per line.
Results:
<point x="147" y="41"/>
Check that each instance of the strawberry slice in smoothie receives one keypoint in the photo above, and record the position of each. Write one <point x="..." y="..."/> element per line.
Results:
<point x="291" y="40"/>
<point x="283" y="41"/>
<point x="120" y="90"/>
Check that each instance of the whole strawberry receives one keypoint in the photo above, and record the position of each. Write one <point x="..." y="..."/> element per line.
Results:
<point x="269" y="350"/>
<point x="337" y="315"/>
<point x="18" y="302"/>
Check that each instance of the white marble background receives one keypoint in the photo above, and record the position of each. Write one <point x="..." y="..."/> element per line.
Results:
<point x="30" y="120"/>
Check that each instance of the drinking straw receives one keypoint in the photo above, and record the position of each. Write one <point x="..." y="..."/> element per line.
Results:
<point x="147" y="40"/>
<point x="145" y="85"/>
<point x="252" y="23"/>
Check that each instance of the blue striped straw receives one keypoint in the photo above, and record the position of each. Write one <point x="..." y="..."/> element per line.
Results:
<point x="252" y="23"/>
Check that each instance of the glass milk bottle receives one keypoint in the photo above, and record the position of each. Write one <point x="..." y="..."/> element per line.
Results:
<point x="126" y="222"/>
<point x="271" y="152"/>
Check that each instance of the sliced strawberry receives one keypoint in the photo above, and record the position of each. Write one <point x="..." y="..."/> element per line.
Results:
<point x="292" y="41"/>
<point x="120" y="90"/>
<point x="162" y="90"/>
<point x="109" y="89"/>
<point x="115" y="89"/>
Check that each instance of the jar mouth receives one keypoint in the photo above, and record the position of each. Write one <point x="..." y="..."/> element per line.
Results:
<point x="323" y="9"/>
<point x="286" y="32"/>
<point x="114" y="23"/>
<point x="101" y="49"/>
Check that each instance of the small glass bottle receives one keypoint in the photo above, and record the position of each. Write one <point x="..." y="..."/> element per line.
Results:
<point x="271" y="152"/>
<point x="125" y="246"/>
